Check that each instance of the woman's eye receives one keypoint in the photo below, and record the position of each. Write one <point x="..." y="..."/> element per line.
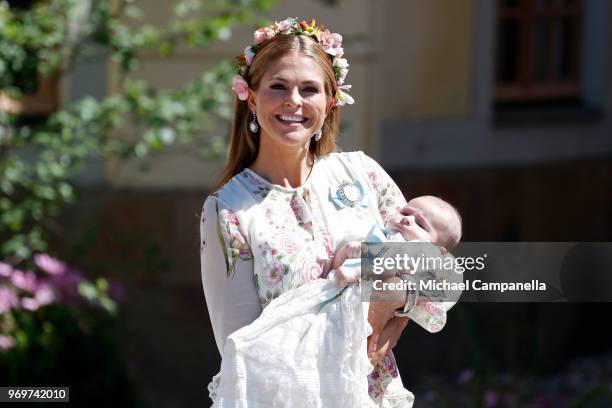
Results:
<point x="311" y="89"/>
<point x="278" y="86"/>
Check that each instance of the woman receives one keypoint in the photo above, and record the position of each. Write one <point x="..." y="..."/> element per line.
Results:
<point x="287" y="200"/>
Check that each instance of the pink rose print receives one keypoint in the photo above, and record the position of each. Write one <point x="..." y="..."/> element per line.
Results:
<point x="433" y="309"/>
<point x="389" y="364"/>
<point x="311" y="270"/>
<point x="375" y="179"/>
<point x="434" y="328"/>
<point x="274" y="274"/>
<point x="289" y="243"/>
<point x="296" y="208"/>
<point x="231" y="218"/>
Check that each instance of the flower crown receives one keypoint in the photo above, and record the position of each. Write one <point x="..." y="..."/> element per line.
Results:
<point x="331" y="42"/>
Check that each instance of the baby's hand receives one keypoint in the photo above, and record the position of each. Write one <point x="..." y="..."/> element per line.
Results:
<point x="396" y="222"/>
<point x="345" y="275"/>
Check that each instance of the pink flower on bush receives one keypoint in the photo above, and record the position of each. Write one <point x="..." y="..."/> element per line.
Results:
<point x="6" y="342"/>
<point x="311" y="270"/>
<point x="274" y="273"/>
<point x="29" y="304"/>
<point x="24" y="280"/>
<point x="49" y="264"/>
<point x="8" y="299"/>
<point x="240" y="87"/>
<point x="44" y="295"/>
<point x="5" y="270"/>
<point x="489" y="398"/>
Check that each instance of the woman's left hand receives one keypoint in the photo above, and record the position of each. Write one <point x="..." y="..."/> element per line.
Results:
<point x="388" y="338"/>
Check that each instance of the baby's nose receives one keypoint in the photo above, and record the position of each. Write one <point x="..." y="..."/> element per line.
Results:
<point x="408" y="220"/>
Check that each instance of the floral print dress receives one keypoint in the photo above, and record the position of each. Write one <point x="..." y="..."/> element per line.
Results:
<point x="260" y="240"/>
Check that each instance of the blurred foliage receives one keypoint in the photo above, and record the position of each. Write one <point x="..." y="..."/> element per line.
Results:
<point x="39" y="157"/>
<point x="54" y="346"/>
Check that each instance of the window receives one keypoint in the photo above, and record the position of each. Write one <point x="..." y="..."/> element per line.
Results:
<point x="538" y="50"/>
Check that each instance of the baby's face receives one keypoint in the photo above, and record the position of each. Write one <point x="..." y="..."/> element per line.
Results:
<point x="423" y="220"/>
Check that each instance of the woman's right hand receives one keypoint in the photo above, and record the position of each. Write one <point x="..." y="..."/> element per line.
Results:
<point x="388" y="338"/>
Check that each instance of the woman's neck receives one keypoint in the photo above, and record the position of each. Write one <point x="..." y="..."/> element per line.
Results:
<point x="286" y="168"/>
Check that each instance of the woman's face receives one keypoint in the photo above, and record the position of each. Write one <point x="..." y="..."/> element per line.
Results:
<point x="291" y="101"/>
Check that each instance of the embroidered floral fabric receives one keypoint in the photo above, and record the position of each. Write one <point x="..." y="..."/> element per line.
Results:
<point x="259" y="240"/>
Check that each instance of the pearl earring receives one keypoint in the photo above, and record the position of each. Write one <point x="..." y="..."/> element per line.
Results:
<point x="254" y="126"/>
<point x="317" y="135"/>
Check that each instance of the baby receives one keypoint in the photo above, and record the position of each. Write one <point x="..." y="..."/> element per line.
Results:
<point x="426" y="218"/>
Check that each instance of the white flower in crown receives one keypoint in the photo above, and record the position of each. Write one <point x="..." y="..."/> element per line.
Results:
<point x="341" y="69"/>
<point x="343" y="97"/>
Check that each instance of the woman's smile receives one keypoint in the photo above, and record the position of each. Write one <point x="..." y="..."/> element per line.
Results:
<point x="292" y="120"/>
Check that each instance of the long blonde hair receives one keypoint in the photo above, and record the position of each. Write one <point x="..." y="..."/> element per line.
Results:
<point x="244" y="145"/>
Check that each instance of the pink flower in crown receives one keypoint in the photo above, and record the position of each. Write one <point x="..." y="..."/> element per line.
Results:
<point x="332" y="43"/>
<point x="285" y="25"/>
<point x="311" y="270"/>
<point x="263" y="34"/>
<point x="274" y="273"/>
<point x="249" y="55"/>
<point x="240" y="87"/>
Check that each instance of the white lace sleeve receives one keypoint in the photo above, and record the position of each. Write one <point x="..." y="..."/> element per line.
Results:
<point x="227" y="271"/>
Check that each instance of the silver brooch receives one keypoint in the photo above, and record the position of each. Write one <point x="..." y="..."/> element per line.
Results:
<point x="348" y="194"/>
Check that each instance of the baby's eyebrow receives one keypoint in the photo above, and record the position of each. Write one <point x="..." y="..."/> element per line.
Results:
<point x="408" y="210"/>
